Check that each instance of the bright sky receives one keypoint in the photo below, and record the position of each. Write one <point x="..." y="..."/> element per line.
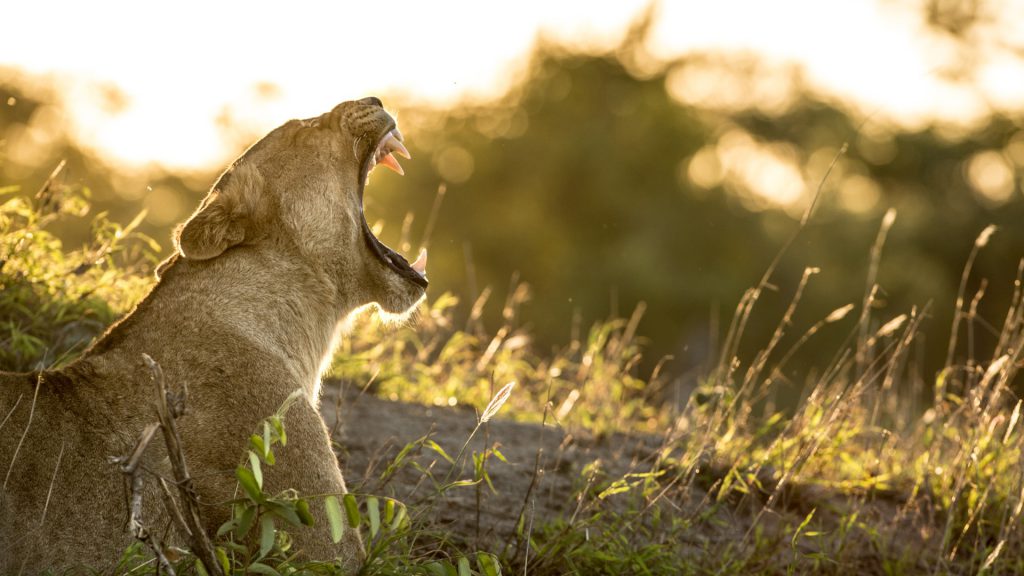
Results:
<point x="182" y="64"/>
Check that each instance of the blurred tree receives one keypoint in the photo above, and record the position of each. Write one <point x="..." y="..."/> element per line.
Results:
<point x="593" y="184"/>
<point x="608" y="179"/>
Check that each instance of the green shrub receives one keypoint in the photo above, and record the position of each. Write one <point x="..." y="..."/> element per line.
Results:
<point x="53" y="301"/>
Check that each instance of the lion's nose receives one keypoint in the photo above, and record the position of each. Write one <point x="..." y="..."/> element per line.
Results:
<point x="371" y="101"/>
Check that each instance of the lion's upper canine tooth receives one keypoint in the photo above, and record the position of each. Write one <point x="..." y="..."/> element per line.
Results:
<point x="393" y="144"/>
<point x="420" y="265"/>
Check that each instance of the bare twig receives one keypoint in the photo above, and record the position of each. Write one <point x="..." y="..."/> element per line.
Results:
<point x="130" y="468"/>
<point x="174" y="510"/>
<point x="170" y="406"/>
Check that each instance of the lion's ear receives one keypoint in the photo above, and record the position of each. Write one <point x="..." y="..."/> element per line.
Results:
<point x="223" y="219"/>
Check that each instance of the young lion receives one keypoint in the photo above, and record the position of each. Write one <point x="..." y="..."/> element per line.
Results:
<point x="244" y="313"/>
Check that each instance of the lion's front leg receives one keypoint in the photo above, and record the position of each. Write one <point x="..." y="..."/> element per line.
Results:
<point x="308" y="464"/>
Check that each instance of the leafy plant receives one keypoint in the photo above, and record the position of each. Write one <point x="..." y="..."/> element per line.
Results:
<point x="54" y="302"/>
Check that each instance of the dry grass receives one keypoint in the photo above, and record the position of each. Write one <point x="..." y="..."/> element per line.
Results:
<point x="874" y="470"/>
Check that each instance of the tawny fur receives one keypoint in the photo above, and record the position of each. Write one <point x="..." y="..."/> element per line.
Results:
<point x="244" y="314"/>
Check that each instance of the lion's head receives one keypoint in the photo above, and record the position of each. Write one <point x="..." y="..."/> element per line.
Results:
<point x="298" y="192"/>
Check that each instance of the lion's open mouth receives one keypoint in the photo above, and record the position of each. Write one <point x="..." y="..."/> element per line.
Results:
<point x="384" y="155"/>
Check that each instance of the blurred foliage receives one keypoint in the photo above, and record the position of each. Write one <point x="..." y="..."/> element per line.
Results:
<point x="603" y="180"/>
<point x="46" y="318"/>
<point x="592" y="183"/>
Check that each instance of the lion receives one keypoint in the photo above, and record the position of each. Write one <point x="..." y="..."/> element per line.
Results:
<point x="245" y="312"/>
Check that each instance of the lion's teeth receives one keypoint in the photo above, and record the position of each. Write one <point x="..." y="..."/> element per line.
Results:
<point x="389" y="161"/>
<point x="420" y="265"/>
<point x="393" y="144"/>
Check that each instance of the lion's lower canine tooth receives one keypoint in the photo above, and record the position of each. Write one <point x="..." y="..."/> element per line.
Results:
<point x="420" y="265"/>
<point x="389" y="161"/>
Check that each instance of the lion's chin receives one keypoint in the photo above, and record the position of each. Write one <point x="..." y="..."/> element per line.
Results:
<point x="387" y="312"/>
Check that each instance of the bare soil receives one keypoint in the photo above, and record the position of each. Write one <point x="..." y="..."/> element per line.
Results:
<point x="544" y="469"/>
<point x="547" y="467"/>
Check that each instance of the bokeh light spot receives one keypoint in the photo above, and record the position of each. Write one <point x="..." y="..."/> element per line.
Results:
<point x="859" y="194"/>
<point x="454" y="164"/>
<point x="164" y="205"/>
<point x="991" y="176"/>
<point x="704" y="169"/>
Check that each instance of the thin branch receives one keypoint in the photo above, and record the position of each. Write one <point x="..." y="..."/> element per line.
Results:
<point x="170" y="406"/>
<point x="130" y="468"/>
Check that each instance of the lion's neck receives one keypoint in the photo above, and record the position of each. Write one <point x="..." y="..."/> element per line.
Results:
<point x="277" y="308"/>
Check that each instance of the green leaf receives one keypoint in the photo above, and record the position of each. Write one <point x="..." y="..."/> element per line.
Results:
<point x="488" y="564"/>
<point x="248" y="481"/>
<point x="389" y="511"/>
<point x="435" y="569"/>
<point x="200" y="568"/>
<point x="334" y="518"/>
<point x="458" y="484"/>
<point x="236" y="548"/>
<point x="256" y="441"/>
<point x="134" y="223"/>
<point x="291" y="399"/>
<point x="222" y="557"/>
<point x="257" y="472"/>
<point x="227" y="527"/>
<point x="464" y="569"/>
<point x="352" y="510"/>
<point x="302" y="509"/>
<point x="266" y="535"/>
<point x="245" y="520"/>
<point x="279" y="428"/>
<point x="284" y="509"/>
<point x="373" y="510"/>
<point x="437" y="448"/>
<point x="799" y="529"/>
<point x="440" y="569"/>
<point x="400" y="518"/>
<point x="257" y="568"/>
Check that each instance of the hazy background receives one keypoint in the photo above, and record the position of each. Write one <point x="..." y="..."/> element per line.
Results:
<point x="604" y="155"/>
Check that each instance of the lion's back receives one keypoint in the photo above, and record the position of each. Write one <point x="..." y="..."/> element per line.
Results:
<point x="50" y="484"/>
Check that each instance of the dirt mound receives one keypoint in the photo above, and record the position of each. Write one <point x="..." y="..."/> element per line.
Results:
<point x="548" y="468"/>
<point x="544" y="469"/>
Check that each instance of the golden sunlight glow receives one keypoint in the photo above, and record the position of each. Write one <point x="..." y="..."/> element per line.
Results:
<point x="454" y="164"/>
<point x="991" y="176"/>
<point x="761" y="174"/>
<point x="859" y="194"/>
<point x="160" y="85"/>
<point x="704" y="169"/>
